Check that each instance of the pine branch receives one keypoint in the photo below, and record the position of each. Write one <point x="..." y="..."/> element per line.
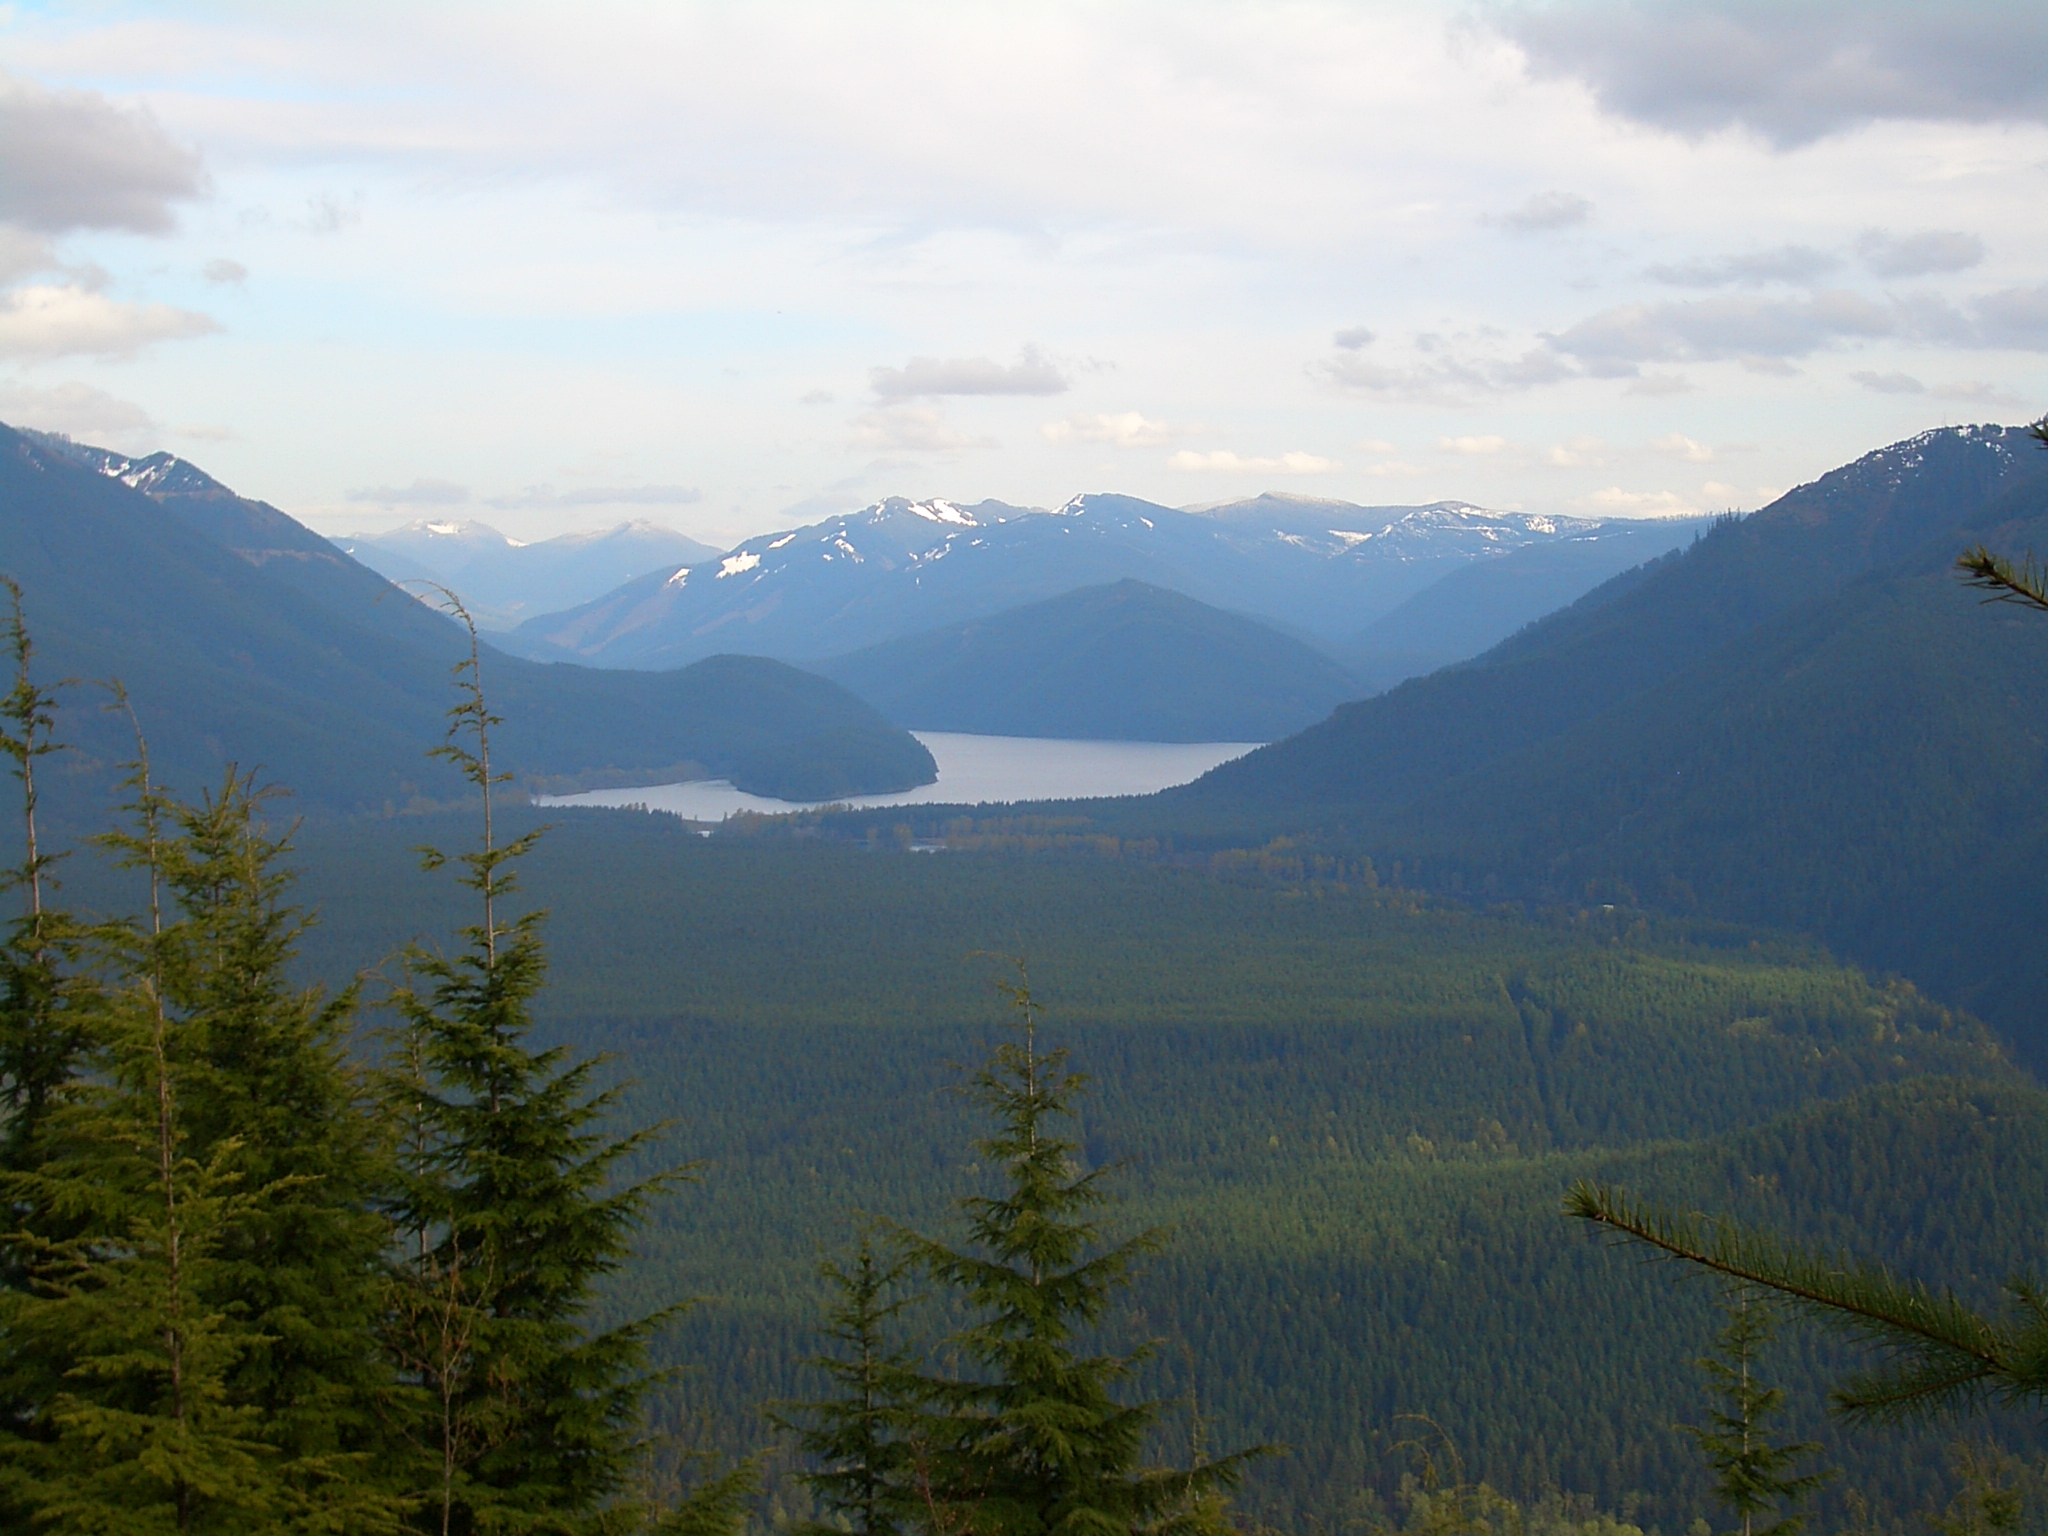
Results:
<point x="1944" y="1355"/>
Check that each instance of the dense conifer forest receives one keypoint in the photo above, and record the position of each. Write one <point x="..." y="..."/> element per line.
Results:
<point x="587" y="1174"/>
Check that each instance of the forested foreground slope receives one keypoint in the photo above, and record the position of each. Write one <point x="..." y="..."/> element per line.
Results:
<point x="1359" y="1110"/>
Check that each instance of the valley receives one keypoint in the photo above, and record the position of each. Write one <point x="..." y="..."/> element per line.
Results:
<point x="1356" y="1006"/>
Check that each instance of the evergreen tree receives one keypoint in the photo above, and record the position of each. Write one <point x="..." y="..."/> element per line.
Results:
<point x="1035" y="1441"/>
<point x="138" y="1429"/>
<point x="860" y="1435"/>
<point x="41" y="1033"/>
<point x="1752" y="1474"/>
<point x="46" y="1008"/>
<point x="507" y="1215"/>
<point x="269" y="1093"/>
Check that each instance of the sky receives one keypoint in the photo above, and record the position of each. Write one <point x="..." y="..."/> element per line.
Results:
<point x="735" y="267"/>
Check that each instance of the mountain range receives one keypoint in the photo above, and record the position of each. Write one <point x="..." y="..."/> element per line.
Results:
<point x="504" y="581"/>
<point x="1802" y="720"/>
<point x="242" y="636"/>
<point x="1320" y="571"/>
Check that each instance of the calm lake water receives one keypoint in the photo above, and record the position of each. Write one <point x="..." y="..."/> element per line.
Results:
<point x="972" y="770"/>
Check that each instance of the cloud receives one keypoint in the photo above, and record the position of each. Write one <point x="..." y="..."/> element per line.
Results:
<point x="816" y="397"/>
<point x="2013" y="317"/>
<point x="1792" y="73"/>
<point x="73" y="160"/>
<point x="1582" y="452"/>
<point x="600" y="496"/>
<point x="1976" y="392"/>
<point x="1785" y="264"/>
<point x="1615" y="502"/>
<point x="1475" y="446"/>
<point x="911" y="429"/>
<point x="421" y="493"/>
<point x="1660" y="384"/>
<point x="46" y="321"/>
<point x="1547" y="211"/>
<point x="1727" y="326"/>
<point x="1351" y="338"/>
<point x="221" y="270"/>
<point x="1889" y="383"/>
<point x="79" y="411"/>
<point x="1031" y="374"/>
<point x="1445" y="378"/>
<point x="1373" y="445"/>
<point x="1679" y="446"/>
<point x="1223" y="462"/>
<point x="1127" y="429"/>
<point x="1930" y="251"/>
<point x="327" y="214"/>
<point x="22" y="252"/>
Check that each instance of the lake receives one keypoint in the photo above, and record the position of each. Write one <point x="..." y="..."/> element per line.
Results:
<point x="973" y="770"/>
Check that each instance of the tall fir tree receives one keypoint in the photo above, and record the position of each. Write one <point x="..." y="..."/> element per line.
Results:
<point x="1033" y="1440"/>
<point x="860" y="1438"/>
<point x="509" y="1215"/>
<point x="1753" y="1474"/>
<point x="270" y="1091"/>
<point x="43" y="1028"/>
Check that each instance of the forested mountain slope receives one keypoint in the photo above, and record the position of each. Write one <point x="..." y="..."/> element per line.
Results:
<point x="1127" y="662"/>
<point x="243" y="636"/>
<point x="1626" y="636"/>
<point x="1474" y="608"/>
<point x="1804" y="720"/>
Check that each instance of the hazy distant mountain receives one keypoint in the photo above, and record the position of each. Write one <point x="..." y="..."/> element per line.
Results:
<point x="244" y="637"/>
<point x="1318" y="570"/>
<point x="504" y="581"/>
<point x="1126" y="662"/>
<point x="1482" y="602"/>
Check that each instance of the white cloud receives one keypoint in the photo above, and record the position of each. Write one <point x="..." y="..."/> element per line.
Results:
<point x="46" y="321"/>
<point x="1472" y="446"/>
<point x="816" y="397"/>
<point x="1351" y="338"/>
<point x="602" y="496"/>
<point x="73" y="160"/>
<point x="1547" y="211"/>
<point x="222" y="270"/>
<point x="1785" y="264"/>
<point x="1615" y="502"/>
<point x="1581" y="452"/>
<point x="1793" y="73"/>
<point x="1888" y="383"/>
<point x="911" y="429"/>
<point x="1445" y="377"/>
<point x="423" y="492"/>
<point x="1374" y="445"/>
<point x="1125" y="429"/>
<point x="23" y="252"/>
<point x="1733" y="326"/>
<point x="1930" y="251"/>
<point x="1659" y="384"/>
<point x="1679" y="446"/>
<point x="1031" y="374"/>
<point x="1222" y="461"/>
<point x="80" y="411"/>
